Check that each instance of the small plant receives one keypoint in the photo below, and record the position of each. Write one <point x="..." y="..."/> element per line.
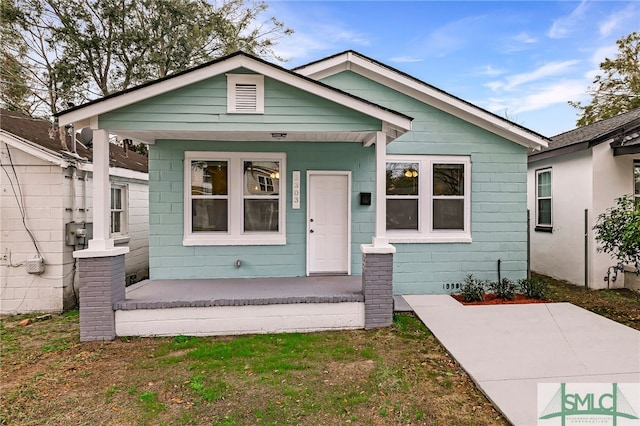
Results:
<point x="504" y="289"/>
<point x="534" y="287"/>
<point x="618" y="232"/>
<point x="472" y="290"/>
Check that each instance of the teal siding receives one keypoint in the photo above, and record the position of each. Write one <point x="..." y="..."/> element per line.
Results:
<point x="202" y="106"/>
<point x="170" y="259"/>
<point x="498" y="194"/>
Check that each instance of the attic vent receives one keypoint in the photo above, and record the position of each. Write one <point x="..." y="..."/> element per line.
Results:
<point x="245" y="93"/>
<point x="246" y="98"/>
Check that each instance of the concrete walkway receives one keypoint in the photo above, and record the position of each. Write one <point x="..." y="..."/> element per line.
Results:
<point x="508" y="349"/>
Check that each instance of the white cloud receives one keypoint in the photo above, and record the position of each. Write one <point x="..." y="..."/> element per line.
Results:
<point x="601" y="53"/>
<point x="557" y="93"/>
<point x="618" y="18"/>
<point x="525" y="38"/>
<point x="561" y="27"/>
<point x="548" y="70"/>
<point x="490" y="71"/>
<point x="405" y="59"/>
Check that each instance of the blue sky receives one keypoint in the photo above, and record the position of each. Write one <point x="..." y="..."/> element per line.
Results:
<point x="527" y="58"/>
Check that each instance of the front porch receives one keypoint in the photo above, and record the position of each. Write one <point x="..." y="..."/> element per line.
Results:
<point x="241" y="306"/>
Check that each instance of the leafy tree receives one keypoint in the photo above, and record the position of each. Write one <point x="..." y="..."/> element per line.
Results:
<point x="14" y="81"/>
<point x="618" y="231"/>
<point x="78" y="50"/>
<point x="617" y="89"/>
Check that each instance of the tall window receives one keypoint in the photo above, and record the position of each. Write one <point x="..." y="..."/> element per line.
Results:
<point x="427" y="199"/>
<point x="543" y="199"/>
<point x="118" y="222"/>
<point x="234" y="198"/>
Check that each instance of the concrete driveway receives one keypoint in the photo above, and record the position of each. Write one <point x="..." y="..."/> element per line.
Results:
<point x="508" y="349"/>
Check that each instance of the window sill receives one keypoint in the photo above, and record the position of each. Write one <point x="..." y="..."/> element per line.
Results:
<point x="430" y="239"/>
<point x="547" y="229"/>
<point x="123" y="239"/>
<point x="225" y="240"/>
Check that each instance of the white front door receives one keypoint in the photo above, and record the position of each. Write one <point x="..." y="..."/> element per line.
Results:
<point x="328" y="223"/>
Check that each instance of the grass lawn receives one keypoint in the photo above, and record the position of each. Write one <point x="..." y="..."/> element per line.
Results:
<point x="396" y="375"/>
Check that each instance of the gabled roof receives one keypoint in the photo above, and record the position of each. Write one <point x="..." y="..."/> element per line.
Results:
<point x="43" y="139"/>
<point x="384" y="74"/>
<point x="86" y="114"/>
<point x="622" y="131"/>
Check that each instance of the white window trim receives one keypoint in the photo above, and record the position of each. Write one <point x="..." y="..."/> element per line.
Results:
<point x="233" y="80"/>
<point x="538" y="198"/>
<point x="425" y="232"/>
<point x="123" y="235"/>
<point x="235" y="235"/>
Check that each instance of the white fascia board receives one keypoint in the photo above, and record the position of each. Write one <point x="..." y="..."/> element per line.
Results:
<point x="424" y="93"/>
<point x="94" y="110"/>
<point x="33" y="149"/>
<point x="119" y="172"/>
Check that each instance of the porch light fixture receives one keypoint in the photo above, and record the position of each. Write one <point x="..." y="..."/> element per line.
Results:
<point x="410" y="173"/>
<point x="275" y="175"/>
<point x="278" y="135"/>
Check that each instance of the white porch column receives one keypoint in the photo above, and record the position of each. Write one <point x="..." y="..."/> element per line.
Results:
<point x="101" y="192"/>
<point x="101" y="244"/>
<point x="380" y="237"/>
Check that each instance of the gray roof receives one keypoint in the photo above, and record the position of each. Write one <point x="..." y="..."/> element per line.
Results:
<point x="622" y="127"/>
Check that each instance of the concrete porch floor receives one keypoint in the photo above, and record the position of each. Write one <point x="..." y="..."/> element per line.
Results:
<point x="151" y="294"/>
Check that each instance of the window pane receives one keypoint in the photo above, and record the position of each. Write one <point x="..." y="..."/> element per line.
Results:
<point x="208" y="178"/>
<point x="261" y="215"/>
<point x="116" y="199"/>
<point x="544" y="184"/>
<point x="448" y="214"/>
<point x="208" y="215"/>
<point x="544" y="212"/>
<point x="116" y="222"/>
<point x="636" y="175"/>
<point x="261" y="177"/>
<point x="402" y="214"/>
<point x="402" y="179"/>
<point x="448" y="179"/>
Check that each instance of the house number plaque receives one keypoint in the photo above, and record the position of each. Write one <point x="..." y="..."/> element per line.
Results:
<point x="295" y="200"/>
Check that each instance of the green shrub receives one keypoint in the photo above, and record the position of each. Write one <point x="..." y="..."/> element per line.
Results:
<point x="504" y="289"/>
<point x="534" y="287"/>
<point x="472" y="290"/>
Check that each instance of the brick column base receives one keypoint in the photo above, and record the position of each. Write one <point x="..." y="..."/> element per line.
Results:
<point x="377" y="286"/>
<point x="102" y="284"/>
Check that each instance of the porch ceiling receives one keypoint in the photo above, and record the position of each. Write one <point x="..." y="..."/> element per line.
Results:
<point x="150" y="136"/>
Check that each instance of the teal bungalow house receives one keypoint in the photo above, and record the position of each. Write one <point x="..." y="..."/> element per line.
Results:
<point x="301" y="200"/>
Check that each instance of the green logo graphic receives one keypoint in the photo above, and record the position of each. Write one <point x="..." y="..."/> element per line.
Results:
<point x="585" y="404"/>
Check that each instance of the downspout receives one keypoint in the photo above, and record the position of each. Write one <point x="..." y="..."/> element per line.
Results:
<point x="586" y="248"/>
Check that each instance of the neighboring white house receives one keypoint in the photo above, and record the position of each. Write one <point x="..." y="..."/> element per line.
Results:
<point x="45" y="199"/>
<point x="578" y="177"/>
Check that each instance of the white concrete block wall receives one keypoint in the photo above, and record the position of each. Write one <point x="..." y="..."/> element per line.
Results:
<point x="41" y="185"/>
<point x="560" y="254"/>
<point x="612" y="178"/>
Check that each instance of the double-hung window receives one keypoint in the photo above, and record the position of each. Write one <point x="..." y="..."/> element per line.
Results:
<point x="118" y="209"/>
<point x="234" y="198"/>
<point x="428" y="198"/>
<point x="543" y="200"/>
